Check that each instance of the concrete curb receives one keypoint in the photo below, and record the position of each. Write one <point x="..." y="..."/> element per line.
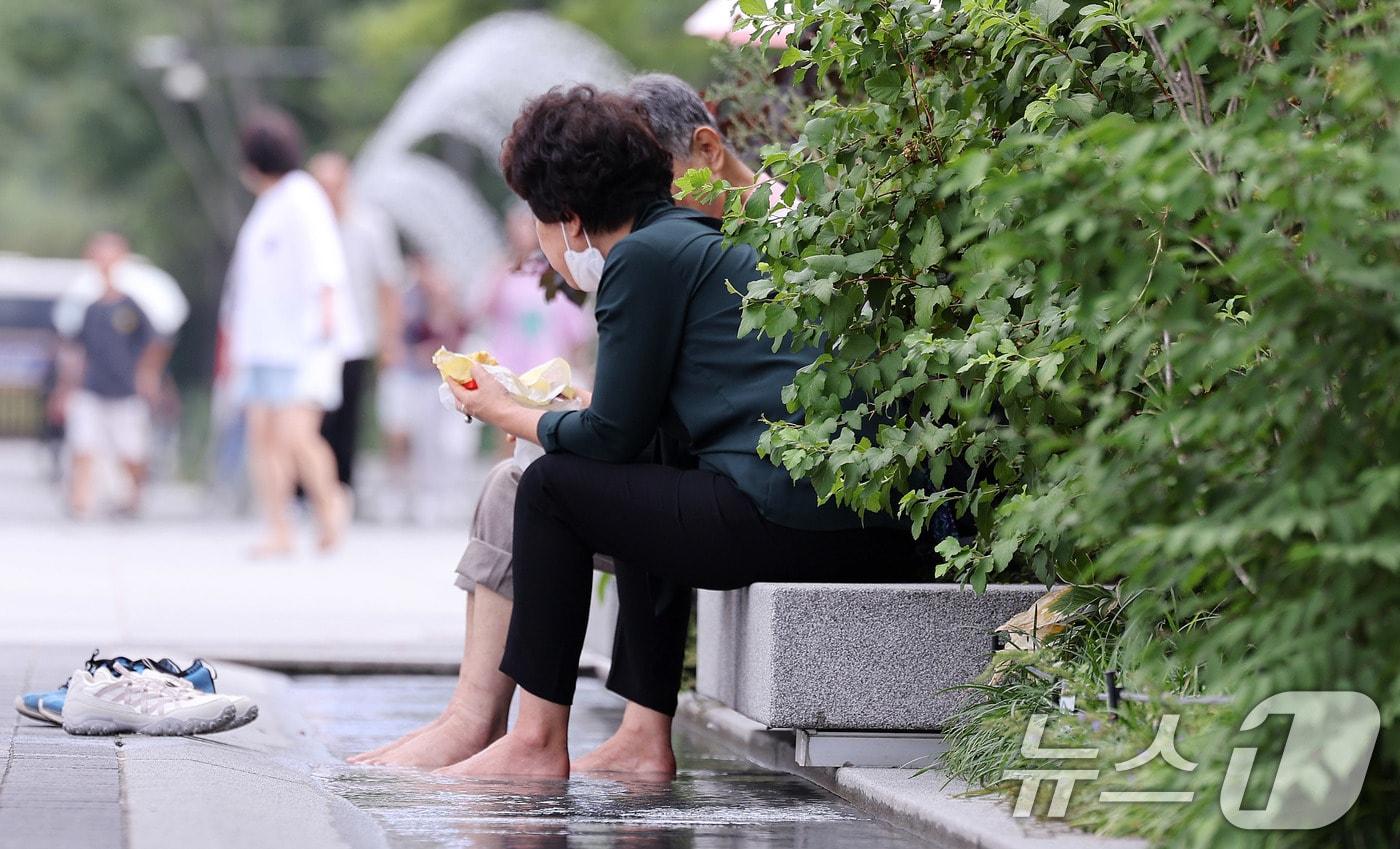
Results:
<point x="930" y="805"/>
<point x="254" y="786"/>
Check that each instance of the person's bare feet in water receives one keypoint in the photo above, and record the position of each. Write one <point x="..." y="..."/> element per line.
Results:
<point x="451" y="738"/>
<point x="476" y="715"/>
<point x="642" y="746"/>
<point x="372" y="755"/>
<point x="515" y="755"/>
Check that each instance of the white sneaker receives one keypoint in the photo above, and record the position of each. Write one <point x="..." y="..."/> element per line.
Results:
<point x="245" y="710"/>
<point x="201" y="676"/>
<point x="104" y="702"/>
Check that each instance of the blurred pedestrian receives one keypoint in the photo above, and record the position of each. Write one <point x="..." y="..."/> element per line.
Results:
<point x="154" y="291"/>
<point x="284" y="344"/>
<point x="110" y="375"/>
<point x="376" y="278"/>
<point x="421" y="438"/>
<point x="519" y="327"/>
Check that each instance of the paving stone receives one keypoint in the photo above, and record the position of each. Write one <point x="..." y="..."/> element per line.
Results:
<point x="70" y="764"/>
<point x="22" y="782"/>
<point x="57" y="828"/>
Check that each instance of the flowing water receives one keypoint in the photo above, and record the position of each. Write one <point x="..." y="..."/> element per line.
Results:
<point x="717" y="800"/>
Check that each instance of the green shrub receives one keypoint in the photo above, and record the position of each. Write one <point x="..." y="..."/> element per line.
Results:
<point x="1118" y="281"/>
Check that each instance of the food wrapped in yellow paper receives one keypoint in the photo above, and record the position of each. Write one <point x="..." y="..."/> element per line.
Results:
<point x="549" y="380"/>
<point x="458" y="367"/>
<point x="540" y="386"/>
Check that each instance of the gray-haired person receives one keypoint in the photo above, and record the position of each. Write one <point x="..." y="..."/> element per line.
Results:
<point x="685" y="127"/>
<point x="476" y="715"/>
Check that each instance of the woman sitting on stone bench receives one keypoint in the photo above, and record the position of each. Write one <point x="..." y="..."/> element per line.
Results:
<point x="475" y="716"/>
<point x="668" y="355"/>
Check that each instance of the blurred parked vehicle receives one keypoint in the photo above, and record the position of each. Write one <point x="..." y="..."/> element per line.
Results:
<point x="29" y="289"/>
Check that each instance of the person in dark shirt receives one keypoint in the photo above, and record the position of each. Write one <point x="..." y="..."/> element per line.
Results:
<point x="475" y="716"/>
<point x="669" y="358"/>
<point x="108" y="406"/>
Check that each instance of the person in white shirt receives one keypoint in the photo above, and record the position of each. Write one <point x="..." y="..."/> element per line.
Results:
<point x="376" y="280"/>
<point x="286" y="331"/>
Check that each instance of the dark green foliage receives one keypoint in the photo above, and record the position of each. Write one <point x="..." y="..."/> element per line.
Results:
<point x="1136" y="265"/>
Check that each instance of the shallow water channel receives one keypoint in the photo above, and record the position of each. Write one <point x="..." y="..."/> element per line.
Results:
<point x="716" y="801"/>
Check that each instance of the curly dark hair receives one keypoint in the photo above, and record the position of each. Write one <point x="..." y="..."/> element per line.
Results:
<point x="271" y="142"/>
<point x="587" y="153"/>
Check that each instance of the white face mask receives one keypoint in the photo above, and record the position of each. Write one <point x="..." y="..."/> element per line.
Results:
<point x="586" y="267"/>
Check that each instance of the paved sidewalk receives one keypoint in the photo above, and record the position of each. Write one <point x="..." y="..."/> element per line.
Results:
<point x="250" y="787"/>
<point x="181" y="580"/>
<point x="188" y="586"/>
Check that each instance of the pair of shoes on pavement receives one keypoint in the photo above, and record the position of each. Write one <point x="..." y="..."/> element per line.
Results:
<point x="48" y="706"/>
<point x="122" y="696"/>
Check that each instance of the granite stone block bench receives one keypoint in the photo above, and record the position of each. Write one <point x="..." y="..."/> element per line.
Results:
<point x="859" y="657"/>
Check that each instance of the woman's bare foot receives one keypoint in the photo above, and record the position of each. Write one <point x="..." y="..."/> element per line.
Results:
<point x="632" y="752"/>
<point x="451" y="739"/>
<point x="367" y="757"/>
<point x="514" y="755"/>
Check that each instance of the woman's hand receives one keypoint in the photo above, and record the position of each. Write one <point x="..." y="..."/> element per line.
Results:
<point x="489" y="401"/>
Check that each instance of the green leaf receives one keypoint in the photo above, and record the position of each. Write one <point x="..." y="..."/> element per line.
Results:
<point x="749" y="321"/>
<point x="1078" y="108"/>
<point x="791" y="56"/>
<point x="866" y="376"/>
<point x="1049" y="11"/>
<point x="779" y="325"/>
<point x="887" y="86"/>
<point x="1048" y="367"/>
<point x="823" y="264"/>
<point x="979" y="581"/>
<point x="753" y="8"/>
<point x="819" y="131"/>
<point x="926" y="300"/>
<point x="811" y="181"/>
<point x="864" y="261"/>
<point x="1017" y="74"/>
<point x="930" y="249"/>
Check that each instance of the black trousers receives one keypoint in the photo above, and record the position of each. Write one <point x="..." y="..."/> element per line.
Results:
<point x="341" y="428"/>
<point x="669" y="530"/>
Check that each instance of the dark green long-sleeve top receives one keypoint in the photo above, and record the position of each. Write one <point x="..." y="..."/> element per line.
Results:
<point x="669" y="356"/>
